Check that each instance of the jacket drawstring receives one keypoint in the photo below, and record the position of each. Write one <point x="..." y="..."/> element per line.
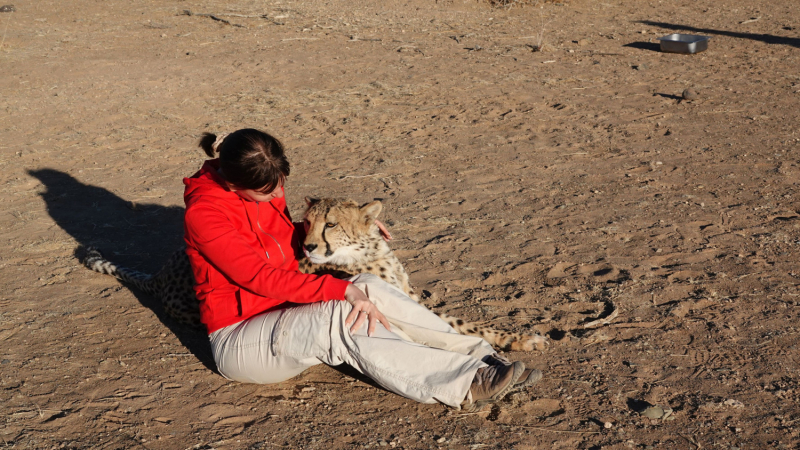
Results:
<point x="258" y="236"/>
<point x="268" y="234"/>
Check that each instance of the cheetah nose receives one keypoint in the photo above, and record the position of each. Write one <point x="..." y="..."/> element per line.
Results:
<point x="310" y="247"/>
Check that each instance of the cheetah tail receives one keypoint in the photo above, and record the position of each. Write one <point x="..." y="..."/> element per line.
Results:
<point x="94" y="260"/>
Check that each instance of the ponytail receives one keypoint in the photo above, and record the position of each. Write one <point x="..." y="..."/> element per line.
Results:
<point x="210" y="143"/>
<point x="207" y="143"/>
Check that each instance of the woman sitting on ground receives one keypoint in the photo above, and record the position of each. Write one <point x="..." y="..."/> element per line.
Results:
<point x="268" y="322"/>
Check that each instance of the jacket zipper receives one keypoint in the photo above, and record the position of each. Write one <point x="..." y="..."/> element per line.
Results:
<point x="258" y="222"/>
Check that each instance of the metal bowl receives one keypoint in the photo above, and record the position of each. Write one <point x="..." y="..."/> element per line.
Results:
<point x="684" y="43"/>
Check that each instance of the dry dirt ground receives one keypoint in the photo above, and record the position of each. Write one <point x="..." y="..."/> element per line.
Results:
<point x="533" y="190"/>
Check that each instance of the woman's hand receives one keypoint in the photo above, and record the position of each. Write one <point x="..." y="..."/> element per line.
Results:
<point x="384" y="232"/>
<point x="363" y="309"/>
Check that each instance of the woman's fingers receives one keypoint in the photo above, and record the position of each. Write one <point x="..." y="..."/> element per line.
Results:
<point x="382" y="319"/>
<point x="374" y="319"/>
<point x="384" y="232"/>
<point x="358" y="316"/>
<point x="360" y="319"/>
<point x="363" y="310"/>
<point x="352" y="316"/>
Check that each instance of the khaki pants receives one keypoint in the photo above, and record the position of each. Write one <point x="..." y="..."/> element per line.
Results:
<point x="422" y="358"/>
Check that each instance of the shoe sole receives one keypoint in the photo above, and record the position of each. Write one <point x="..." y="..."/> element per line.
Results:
<point x="519" y="367"/>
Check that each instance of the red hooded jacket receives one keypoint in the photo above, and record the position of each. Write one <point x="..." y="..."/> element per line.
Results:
<point x="244" y="253"/>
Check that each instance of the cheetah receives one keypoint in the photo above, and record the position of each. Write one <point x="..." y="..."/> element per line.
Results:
<point x="342" y="240"/>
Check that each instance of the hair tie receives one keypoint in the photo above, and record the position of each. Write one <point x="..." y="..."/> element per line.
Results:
<point x="218" y="141"/>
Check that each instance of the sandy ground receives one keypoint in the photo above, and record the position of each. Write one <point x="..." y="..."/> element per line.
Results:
<point x="528" y="189"/>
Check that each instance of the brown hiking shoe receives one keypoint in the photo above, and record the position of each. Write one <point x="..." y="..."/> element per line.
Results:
<point x="528" y="378"/>
<point x="491" y="384"/>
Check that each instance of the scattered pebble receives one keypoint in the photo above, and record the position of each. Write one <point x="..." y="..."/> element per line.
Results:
<point x="689" y="94"/>
<point x="733" y="403"/>
<point x="653" y="412"/>
<point x="608" y="425"/>
<point x="656" y="412"/>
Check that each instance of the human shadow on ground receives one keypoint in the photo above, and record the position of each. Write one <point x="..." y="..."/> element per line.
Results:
<point x="766" y="38"/>
<point x="133" y="235"/>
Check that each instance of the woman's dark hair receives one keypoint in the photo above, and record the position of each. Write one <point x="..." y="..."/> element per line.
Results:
<point x="249" y="159"/>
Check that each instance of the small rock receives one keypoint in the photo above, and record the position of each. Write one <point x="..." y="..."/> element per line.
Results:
<point x="383" y="443"/>
<point x="690" y="94"/>
<point x="583" y="42"/>
<point x="608" y="425"/>
<point x="441" y="440"/>
<point x="733" y="403"/>
<point x="653" y="412"/>
<point x="640" y="67"/>
<point x="7" y="8"/>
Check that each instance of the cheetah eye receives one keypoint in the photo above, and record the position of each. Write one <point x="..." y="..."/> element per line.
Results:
<point x="330" y="225"/>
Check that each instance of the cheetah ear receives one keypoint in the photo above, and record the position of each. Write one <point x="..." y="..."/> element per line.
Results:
<point x="371" y="210"/>
<point x="311" y="201"/>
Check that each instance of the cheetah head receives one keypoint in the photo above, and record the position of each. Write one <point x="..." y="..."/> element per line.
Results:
<point x="340" y="232"/>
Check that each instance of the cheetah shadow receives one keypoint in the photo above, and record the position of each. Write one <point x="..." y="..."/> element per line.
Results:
<point x="140" y="237"/>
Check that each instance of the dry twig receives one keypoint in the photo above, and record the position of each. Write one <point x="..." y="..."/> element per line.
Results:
<point x="552" y="430"/>
<point x="186" y="12"/>
<point x="4" y="32"/>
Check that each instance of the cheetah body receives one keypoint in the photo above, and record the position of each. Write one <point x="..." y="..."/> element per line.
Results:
<point x="342" y="240"/>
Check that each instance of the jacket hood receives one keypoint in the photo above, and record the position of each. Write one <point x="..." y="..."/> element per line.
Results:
<point x="208" y="182"/>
